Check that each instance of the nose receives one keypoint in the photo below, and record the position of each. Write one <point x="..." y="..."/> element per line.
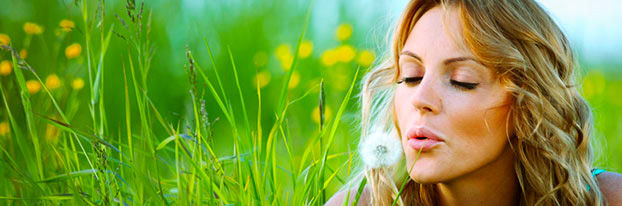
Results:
<point x="426" y="97"/>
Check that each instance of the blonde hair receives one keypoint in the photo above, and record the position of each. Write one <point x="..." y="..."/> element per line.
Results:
<point x="552" y="123"/>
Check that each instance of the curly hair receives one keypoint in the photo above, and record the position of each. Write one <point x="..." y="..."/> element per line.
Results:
<point x="551" y="121"/>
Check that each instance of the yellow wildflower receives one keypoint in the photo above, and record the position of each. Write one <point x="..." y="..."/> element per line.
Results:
<point x="32" y="28"/>
<point x="305" y="49"/>
<point x="293" y="82"/>
<point x="4" y="128"/>
<point x="260" y="59"/>
<point x="51" y="134"/>
<point x="73" y="51"/>
<point x="286" y="62"/>
<point x="366" y="58"/>
<point x="315" y="114"/>
<point x="66" y="25"/>
<point x="283" y="51"/>
<point x="5" y="68"/>
<point x="262" y="78"/>
<point x="345" y="53"/>
<point x="284" y="54"/>
<point x="52" y="82"/>
<point x="329" y="57"/>
<point x="33" y="86"/>
<point x="23" y="53"/>
<point x="344" y="31"/>
<point x="77" y="83"/>
<point x="4" y="39"/>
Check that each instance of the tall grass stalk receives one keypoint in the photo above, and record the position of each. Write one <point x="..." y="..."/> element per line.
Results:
<point x="99" y="163"/>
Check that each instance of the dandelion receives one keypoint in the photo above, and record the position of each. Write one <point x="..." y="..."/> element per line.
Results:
<point x="365" y="58"/>
<point x="52" y="82"/>
<point x="380" y="149"/>
<point x="306" y="48"/>
<point x="77" y="84"/>
<point x="260" y="59"/>
<point x="5" y="68"/>
<point x="286" y="62"/>
<point x="315" y="114"/>
<point x="284" y="54"/>
<point x="4" y="128"/>
<point x="344" y="31"/>
<point x="345" y="53"/>
<point x="66" y="25"/>
<point x="294" y="80"/>
<point x="262" y="78"/>
<point x="33" y="86"/>
<point x="23" y="53"/>
<point x="73" y="51"/>
<point x="282" y="51"/>
<point x="329" y="57"/>
<point x="4" y="39"/>
<point x="32" y="28"/>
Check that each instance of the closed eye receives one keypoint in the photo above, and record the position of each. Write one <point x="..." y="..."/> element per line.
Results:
<point x="410" y="80"/>
<point x="464" y="85"/>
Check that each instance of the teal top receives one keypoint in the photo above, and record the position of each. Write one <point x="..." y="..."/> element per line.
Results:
<point x="597" y="171"/>
<point x="594" y="173"/>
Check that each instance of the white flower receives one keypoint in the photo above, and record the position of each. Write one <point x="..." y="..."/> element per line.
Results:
<point x="380" y="149"/>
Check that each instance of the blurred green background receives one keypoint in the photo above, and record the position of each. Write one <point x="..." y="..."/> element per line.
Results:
<point x="341" y="36"/>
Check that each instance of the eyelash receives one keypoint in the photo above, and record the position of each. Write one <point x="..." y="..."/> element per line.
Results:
<point x="457" y="84"/>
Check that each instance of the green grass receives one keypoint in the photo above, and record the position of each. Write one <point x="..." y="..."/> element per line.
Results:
<point x="140" y="133"/>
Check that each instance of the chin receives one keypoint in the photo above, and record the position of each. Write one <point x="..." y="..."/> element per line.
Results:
<point x="423" y="177"/>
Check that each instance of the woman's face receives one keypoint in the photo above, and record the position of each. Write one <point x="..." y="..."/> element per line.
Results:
<point x="448" y="105"/>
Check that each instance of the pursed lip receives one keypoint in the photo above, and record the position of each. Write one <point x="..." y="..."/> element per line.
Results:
<point x="418" y="132"/>
<point x="422" y="139"/>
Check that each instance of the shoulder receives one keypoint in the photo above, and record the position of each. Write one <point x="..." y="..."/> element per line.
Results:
<point x="340" y="197"/>
<point x="610" y="184"/>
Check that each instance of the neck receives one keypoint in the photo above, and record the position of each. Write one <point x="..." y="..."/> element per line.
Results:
<point x="493" y="184"/>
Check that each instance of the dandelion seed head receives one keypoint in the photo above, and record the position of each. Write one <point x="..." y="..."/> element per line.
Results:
<point x="380" y="149"/>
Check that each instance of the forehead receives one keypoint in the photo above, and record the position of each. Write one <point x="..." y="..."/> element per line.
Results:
<point x="437" y="35"/>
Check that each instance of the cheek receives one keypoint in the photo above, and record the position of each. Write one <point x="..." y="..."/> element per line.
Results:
<point x="481" y="127"/>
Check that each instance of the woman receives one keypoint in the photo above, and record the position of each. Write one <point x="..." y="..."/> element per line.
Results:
<point x="481" y="95"/>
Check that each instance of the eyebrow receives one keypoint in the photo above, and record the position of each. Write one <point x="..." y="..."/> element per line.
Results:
<point x="446" y="61"/>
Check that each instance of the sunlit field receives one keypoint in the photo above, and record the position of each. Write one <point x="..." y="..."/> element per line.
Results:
<point x="239" y="103"/>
